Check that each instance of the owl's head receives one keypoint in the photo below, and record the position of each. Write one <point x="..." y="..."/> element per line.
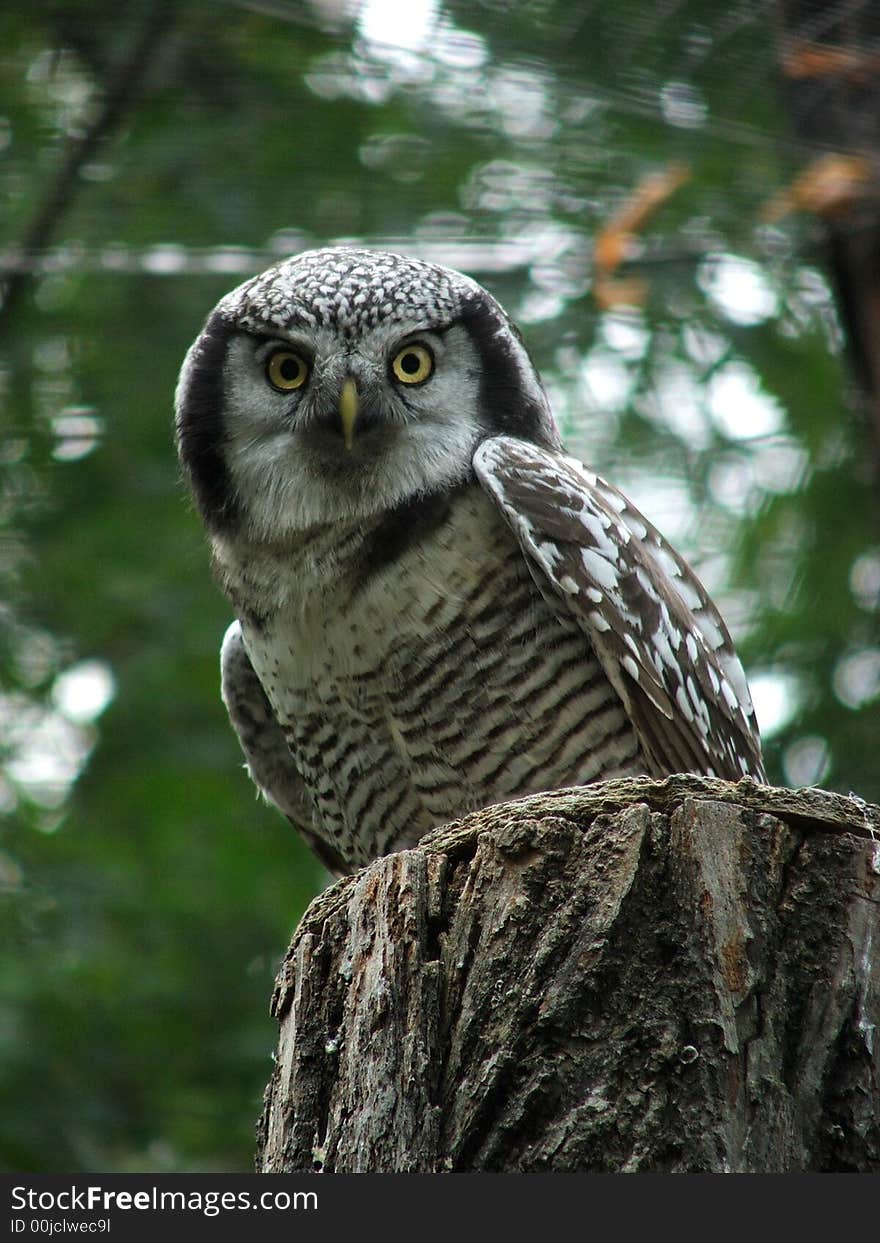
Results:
<point x="344" y="382"/>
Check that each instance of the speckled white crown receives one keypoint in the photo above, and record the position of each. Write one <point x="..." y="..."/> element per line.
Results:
<point x="350" y="289"/>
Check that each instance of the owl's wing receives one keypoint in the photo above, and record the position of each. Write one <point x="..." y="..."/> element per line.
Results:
<point x="269" y="760"/>
<point x="660" y="639"/>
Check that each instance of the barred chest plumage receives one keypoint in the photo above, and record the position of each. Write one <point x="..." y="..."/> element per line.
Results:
<point x="416" y="688"/>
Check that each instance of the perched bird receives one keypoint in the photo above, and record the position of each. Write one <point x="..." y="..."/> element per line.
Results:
<point x="437" y="608"/>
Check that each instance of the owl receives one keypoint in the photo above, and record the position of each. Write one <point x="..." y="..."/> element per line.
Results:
<point x="436" y="607"/>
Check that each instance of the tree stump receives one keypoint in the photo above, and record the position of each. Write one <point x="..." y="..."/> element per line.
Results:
<point x="677" y="975"/>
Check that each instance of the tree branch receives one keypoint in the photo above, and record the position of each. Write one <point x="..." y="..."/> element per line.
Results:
<point x="121" y="92"/>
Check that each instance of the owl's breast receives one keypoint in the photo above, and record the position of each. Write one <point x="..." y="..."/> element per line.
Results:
<point x="441" y="683"/>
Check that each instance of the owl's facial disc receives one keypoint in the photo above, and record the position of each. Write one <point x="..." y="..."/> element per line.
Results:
<point x="331" y="397"/>
<point x="317" y="428"/>
<point x="342" y="383"/>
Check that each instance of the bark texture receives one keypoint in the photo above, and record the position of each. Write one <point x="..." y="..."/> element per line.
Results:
<point x="678" y="975"/>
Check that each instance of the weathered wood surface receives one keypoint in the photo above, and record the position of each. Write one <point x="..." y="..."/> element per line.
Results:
<point x="678" y="975"/>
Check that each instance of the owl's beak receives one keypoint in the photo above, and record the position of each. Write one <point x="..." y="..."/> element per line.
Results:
<point x="349" y="403"/>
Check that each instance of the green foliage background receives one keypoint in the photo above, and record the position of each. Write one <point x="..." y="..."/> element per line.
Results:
<point x="147" y="897"/>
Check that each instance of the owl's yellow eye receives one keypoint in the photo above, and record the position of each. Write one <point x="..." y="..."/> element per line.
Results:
<point x="413" y="364"/>
<point x="286" y="370"/>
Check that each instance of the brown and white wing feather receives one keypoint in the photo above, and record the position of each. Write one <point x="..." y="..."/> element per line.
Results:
<point x="656" y="632"/>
